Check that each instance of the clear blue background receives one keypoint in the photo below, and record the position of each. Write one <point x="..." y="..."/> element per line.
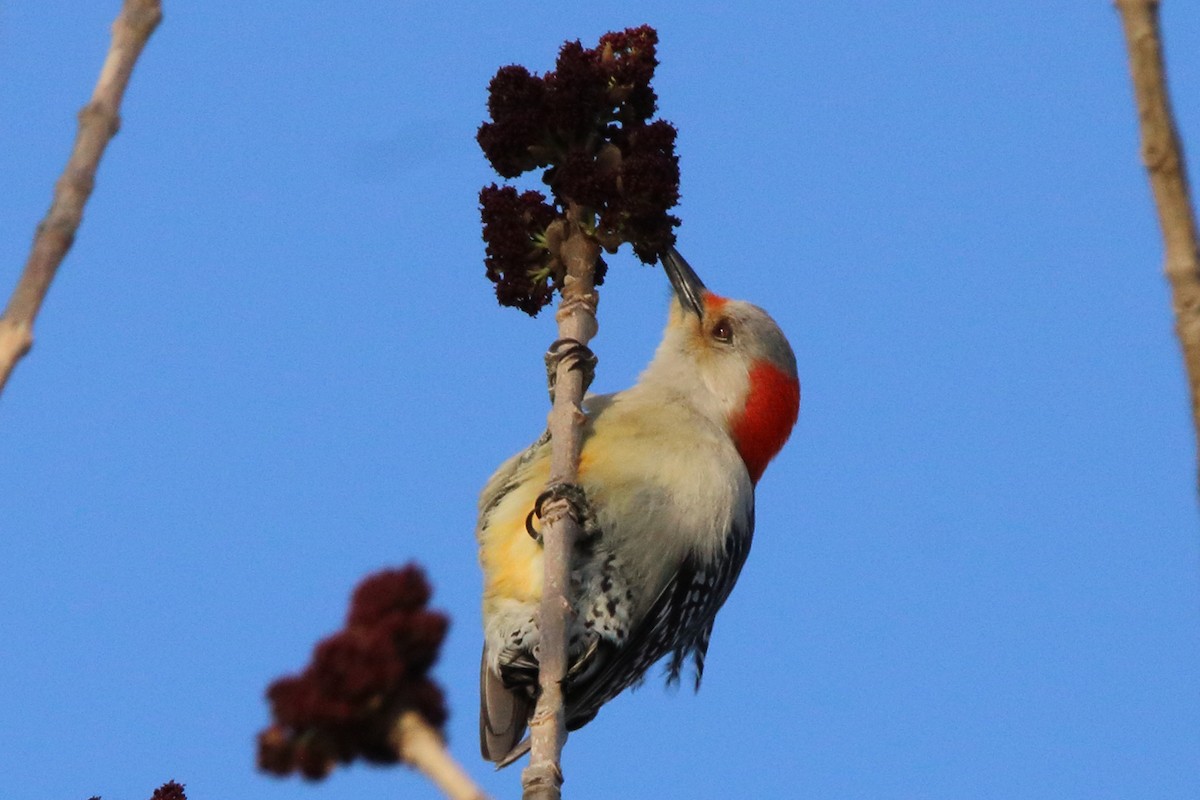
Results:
<point x="271" y="364"/>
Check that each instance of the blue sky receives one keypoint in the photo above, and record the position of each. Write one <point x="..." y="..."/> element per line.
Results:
<point x="271" y="364"/>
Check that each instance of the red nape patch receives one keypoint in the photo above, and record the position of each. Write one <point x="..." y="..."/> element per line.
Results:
<point x="772" y="406"/>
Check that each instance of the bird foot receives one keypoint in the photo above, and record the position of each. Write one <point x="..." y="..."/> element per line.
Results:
<point x="578" y="508"/>
<point x="577" y="355"/>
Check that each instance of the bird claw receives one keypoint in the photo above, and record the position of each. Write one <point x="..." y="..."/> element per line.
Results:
<point x="578" y="356"/>
<point x="578" y="508"/>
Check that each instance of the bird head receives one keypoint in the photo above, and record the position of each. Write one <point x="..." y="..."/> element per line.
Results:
<point x="730" y="361"/>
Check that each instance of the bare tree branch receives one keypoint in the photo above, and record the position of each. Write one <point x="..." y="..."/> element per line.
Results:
<point x="98" y="123"/>
<point x="1164" y="160"/>
<point x="420" y="746"/>
<point x="542" y="779"/>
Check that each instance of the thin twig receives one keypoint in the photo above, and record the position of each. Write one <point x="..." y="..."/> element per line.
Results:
<point x="542" y="779"/>
<point x="420" y="746"/>
<point x="1164" y="160"/>
<point x="98" y="123"/>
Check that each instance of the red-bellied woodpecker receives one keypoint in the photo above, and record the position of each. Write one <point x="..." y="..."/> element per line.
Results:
<point x="666" y="495"/>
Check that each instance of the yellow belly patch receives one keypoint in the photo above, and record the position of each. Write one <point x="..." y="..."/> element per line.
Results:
<point x="511" y="559"/>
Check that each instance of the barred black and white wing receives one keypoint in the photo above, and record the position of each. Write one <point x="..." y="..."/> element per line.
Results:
<point x="679" y="622"/>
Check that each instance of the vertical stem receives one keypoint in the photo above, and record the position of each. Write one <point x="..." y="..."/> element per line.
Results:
<point x="1163" y="157"/>
<point x="98" y="123"/>
<point x="420" y="746"/>
<point x="542" y="779"/>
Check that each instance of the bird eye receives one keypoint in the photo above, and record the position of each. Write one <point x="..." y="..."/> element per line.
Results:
<point x="723" y="330"/>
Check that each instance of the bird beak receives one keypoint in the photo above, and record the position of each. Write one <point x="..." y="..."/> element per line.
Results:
<point x="686" y="283"/>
